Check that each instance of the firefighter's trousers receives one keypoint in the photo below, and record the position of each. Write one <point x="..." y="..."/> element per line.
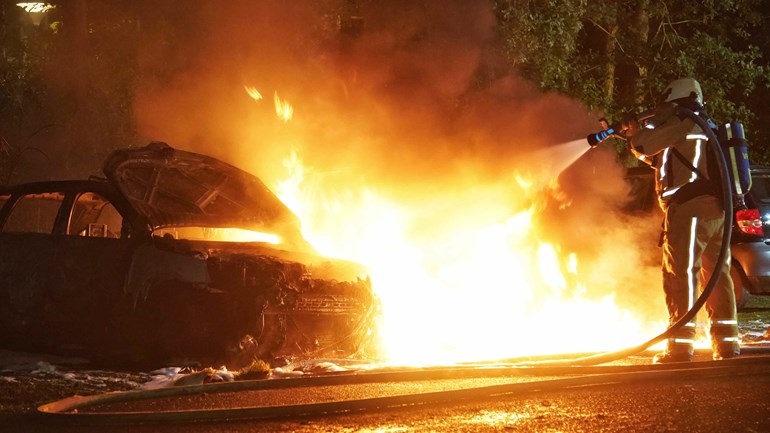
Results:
<point x="692" y="242"/>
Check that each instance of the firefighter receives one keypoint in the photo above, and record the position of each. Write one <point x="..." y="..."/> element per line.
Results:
<point x="689" y="194"/>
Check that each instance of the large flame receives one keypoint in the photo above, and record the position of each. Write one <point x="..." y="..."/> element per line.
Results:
<point x="469" y="281"/>
<point x="405" y="152"/>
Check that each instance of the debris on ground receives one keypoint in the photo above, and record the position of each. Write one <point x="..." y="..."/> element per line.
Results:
<point x="29" y="380"/>
<point x="756" y="336"/>
<point x="176" y="376"/>
<point x="258" y="369"/>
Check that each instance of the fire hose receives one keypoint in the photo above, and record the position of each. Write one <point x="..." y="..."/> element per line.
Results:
<point x="585" y="367"/>
<point x="85" y="410"/>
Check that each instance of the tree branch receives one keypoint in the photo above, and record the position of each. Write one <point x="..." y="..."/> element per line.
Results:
<point x="610" y="34"/>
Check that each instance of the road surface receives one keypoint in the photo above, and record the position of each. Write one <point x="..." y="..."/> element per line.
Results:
<point x="735" y="400"/>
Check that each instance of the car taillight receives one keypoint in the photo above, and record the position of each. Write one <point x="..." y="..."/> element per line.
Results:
<point x="749" y="221"/>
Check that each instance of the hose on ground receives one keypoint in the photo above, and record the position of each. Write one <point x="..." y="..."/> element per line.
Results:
<point x="75" y="409"/>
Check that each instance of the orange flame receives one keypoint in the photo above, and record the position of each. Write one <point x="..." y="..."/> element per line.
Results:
<point x="459" y="286"/>
<point x="283" y="109"/>
<point x="227" y="234"/>
<point x="253" y="92"/>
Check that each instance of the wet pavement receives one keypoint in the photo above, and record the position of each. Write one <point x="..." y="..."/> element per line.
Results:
<point x="733" y="402"/>
<point x="736" y="399"/>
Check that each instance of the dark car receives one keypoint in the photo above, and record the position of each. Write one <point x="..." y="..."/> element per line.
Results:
<point x="138" y="267"/>
<point x="750" y="241"/>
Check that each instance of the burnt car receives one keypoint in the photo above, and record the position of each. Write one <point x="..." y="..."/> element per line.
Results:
<point x="174" y="255"/>
<point x="750" y="241"/>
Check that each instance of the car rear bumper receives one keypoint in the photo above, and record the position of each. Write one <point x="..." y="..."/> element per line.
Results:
<point x="754" y="258"/>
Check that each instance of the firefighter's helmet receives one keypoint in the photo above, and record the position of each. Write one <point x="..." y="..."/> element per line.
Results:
<point x="684" y="88"/>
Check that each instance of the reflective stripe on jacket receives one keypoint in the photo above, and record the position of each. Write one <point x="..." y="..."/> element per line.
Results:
<point x="673" y="146"/>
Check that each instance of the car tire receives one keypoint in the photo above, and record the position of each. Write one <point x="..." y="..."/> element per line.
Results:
<point x="740" y="286"/>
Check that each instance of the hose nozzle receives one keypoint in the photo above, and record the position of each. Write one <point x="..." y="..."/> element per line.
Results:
<point x="617" y="129"/>
<point x="598" y="137"/>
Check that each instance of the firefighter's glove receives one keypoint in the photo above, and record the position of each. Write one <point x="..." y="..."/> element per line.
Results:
<point x="629" y="125"/>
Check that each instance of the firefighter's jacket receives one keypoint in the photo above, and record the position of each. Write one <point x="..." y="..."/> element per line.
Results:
<point x="677" y="149"/>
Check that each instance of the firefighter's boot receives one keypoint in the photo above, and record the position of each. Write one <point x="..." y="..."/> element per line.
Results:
<point x="677" y="350"/>
<point x="667" y="357"/>
<point x="725" y="342"/>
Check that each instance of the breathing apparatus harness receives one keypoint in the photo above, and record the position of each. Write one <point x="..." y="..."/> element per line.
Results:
<point x="732" y="183"/>
<point x="731" y="140"/>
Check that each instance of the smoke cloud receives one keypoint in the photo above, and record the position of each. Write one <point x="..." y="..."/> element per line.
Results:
<point x="399" y="96"/>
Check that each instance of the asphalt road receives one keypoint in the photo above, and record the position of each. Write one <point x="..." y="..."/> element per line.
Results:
<point x="735" y="400"/>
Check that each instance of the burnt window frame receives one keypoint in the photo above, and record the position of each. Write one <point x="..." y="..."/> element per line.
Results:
<point x="76" y="195"/>
<point x="132" y="225"/>
<point x="15" y="198"/>
<point x="8" y="197"/>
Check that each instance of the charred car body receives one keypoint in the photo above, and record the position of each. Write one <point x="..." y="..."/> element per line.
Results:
<point x="140" y="267"/>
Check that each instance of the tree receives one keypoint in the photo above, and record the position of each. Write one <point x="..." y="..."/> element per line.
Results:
<point x="66" y="88"/>
<point x="23" y="52"/>
<point x="618" y="55"/>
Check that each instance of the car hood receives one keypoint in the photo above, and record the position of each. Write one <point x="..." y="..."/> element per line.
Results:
<point x="171" y="187"/>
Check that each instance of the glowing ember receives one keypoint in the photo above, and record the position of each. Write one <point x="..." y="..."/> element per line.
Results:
<point x="253" y="92"/>
<point x="283" y="109"/>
